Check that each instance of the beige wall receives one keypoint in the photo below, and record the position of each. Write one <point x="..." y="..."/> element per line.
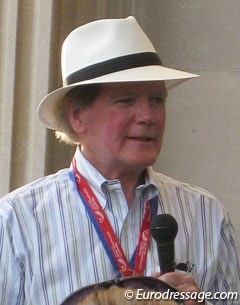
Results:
<point x="202" y="143"/>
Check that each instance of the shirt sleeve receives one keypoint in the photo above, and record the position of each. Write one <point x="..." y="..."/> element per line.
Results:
<point x="226" y="285"/>
<point x="11" y="274"/>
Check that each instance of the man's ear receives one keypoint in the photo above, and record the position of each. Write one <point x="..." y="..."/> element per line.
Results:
<point x="75" y="115"/>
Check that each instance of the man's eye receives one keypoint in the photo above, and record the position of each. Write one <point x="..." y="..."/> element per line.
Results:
<point x="158" y="100"/>
<point x="126" y="101"/>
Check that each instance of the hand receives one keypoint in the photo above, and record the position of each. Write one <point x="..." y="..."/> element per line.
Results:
<point x="181" y="282"/>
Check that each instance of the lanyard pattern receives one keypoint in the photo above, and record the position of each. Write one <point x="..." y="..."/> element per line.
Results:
<point x="107" y="235"/>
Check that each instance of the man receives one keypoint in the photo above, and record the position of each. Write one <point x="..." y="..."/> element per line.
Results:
<point x="87" y="224"/>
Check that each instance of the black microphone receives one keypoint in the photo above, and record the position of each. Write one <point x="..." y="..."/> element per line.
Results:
<point x="164" y="230"/>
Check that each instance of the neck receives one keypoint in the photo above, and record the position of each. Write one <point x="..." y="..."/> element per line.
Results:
<point x="129" y="177"/>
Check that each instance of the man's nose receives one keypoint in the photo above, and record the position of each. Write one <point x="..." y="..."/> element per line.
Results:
<point x="145" y="113"/>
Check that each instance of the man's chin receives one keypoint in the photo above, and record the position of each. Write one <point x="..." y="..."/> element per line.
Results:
<point x="141" y="165"/>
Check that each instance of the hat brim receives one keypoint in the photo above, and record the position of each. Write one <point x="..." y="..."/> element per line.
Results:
<point x="48" y="105"/>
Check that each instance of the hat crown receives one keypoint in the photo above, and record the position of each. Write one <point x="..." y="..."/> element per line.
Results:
<point x="102" y="40"/>
<point x="105" y="51"/>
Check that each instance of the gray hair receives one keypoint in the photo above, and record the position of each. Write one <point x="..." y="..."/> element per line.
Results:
<point x="82" y="96"/>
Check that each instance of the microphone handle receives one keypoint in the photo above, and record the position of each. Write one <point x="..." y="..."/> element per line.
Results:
<point x="166" y="257"/>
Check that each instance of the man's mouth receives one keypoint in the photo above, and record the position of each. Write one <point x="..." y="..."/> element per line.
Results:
<point x="142" y="139"/>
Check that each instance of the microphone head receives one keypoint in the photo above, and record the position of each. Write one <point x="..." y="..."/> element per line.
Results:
<point x="164" y="228"/>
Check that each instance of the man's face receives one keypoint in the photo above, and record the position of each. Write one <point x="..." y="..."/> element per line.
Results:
<point x="123" y="128"/>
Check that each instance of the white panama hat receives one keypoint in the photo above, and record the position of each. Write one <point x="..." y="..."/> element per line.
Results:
<point x="106" y="51"/>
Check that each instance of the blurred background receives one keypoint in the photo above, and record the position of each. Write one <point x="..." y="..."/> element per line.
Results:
<point x="202" y="139"/>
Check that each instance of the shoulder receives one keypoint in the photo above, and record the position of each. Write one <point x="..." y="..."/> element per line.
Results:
<point x="166" y="181"/>
<point x="31" y="192"/>
<point x="186" y="193"/>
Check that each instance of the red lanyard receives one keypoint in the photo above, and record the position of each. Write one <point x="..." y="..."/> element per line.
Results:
<point x="107" y="234"/>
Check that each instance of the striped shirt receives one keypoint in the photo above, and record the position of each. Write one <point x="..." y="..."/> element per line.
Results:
<point x="50" y="248"/>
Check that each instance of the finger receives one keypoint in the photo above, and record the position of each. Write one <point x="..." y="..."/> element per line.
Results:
<point x="156" y="275"/>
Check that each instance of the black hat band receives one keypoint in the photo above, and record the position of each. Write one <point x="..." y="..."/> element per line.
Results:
<point x="113" y="65"/>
